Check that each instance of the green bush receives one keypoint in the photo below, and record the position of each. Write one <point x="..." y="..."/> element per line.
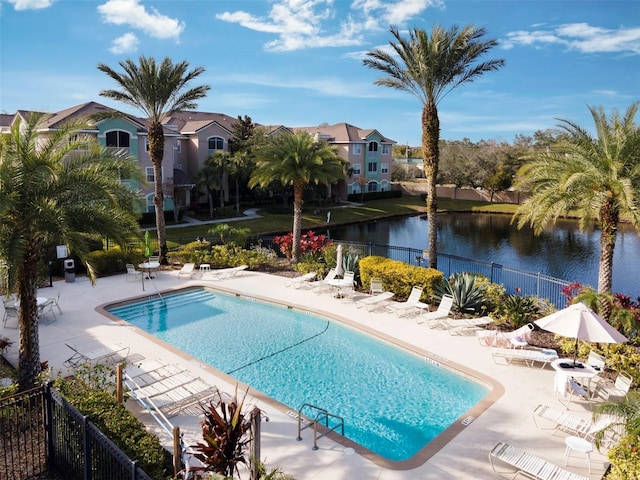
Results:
<point x="520" y="310"/>
<point x="399" y="277"/>
<point x="193" y="252"/>
<point x="114" y="260"/>
<point x="625" y="459"/>
<point x="91" y="391"/>
<point x="468" y="292"/>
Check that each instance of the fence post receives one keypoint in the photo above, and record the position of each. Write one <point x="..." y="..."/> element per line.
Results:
<point x="255" y="442"/>
<point x="119" y="395"/>
<point x="48" y="424"/>
<point x="86" y="448"/>
<point x="177" y="451"/>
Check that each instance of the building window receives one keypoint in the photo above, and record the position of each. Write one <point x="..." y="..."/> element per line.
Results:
<point x="372" y="167"/>
<point x="146" y="144"/>
<point x="150" y="206"/>
<point x="385" y="149"/>
<point x="117" y="139"/>
<point x="372" y="187"/>
<point x="356" y="149"/>
<point x="355" y="188"/>
<point x="384" y="168"/>
<point x="149" y="174"/>
<point x="355" y="169"/>
<point x="216" y="143"/>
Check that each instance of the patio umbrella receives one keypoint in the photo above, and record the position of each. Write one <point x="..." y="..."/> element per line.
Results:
<point x="147" y="244"/>
<point x="580" y="322"/>
<point x="339" y="269"/>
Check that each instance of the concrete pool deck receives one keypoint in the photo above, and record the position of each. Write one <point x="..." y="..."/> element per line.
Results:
<point x="508" y="420"/>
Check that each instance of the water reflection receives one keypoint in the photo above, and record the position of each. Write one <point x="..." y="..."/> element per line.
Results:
<point x="561" y="251"/>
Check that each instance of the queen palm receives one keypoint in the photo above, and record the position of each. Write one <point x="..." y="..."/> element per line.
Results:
<point x="158" y="90"/>
<point x="429" y="67"/>
<point x="594" y="176"/>
<point x="53" y="190"/>
<point x="297" y="160"/>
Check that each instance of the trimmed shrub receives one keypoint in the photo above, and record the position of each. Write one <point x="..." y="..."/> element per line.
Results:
<point x="114" y="260"/>
<point x="399" y="277"/>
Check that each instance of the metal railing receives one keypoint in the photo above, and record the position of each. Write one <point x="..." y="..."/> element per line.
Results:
<point x="41" y="432"/>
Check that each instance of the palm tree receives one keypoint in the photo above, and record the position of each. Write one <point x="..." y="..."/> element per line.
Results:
<point x="53" y="190"/>
<point x="429" y="68"/>
<point x="211" y="178"/>
<point x="158" y="90"/>
<point x="596" y="176"/>
<point x="297" y="160"/>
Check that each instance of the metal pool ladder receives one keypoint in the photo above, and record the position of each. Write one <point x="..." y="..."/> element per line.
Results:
<point x="321" y="415"/>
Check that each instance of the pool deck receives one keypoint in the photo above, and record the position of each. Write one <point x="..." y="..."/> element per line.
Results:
<point x="508" y="420"/>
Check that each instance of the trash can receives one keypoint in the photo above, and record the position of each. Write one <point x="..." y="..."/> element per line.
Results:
<point x="69" y="270"/>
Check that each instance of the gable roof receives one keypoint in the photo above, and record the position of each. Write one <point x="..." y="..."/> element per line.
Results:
<point x="342" y="133"/>
<point x="190" y="121"/>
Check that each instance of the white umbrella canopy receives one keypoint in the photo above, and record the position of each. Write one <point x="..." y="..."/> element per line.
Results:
<point x="580" y="322"/>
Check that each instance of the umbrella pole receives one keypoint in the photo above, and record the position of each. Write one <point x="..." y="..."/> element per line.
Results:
<point x="575" y="352"/>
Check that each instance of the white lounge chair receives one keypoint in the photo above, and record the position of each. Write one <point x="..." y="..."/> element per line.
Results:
<point x="323" y="285"/>
<point x="187" y="270"/>
<point x="496" y="338"/>
<point x="374" y="301"/>
<point x="446" y="303"/>
<point x="529" y="356"/>
<point x="106" y="354"/>
<point x="529" y="465"/>
<point x="223" y="273"/>
<point x="301" y="281"/>
<point x="375" y="286"/>
<point x="572" y="424"/>
<point x="409" y="305"/>
<point x="460" y="325"/>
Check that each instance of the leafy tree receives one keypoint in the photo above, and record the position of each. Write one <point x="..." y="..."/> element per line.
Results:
<point x="597" y="176"/>
<point x="211" y="177"/>
<point x="158" y="90"/>
<point x="297" y="160"/>
<point x="53" y="192"/>
<point x="429" y="68"/>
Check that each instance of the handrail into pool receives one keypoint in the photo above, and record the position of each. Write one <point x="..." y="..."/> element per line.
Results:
<point x="321" y="413"/>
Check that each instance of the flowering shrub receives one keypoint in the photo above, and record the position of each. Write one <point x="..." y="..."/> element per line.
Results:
<point x="571" y="290"/>
<point x="309" y="243"/>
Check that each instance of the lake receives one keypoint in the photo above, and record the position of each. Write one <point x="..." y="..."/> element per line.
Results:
<point x="561" y="251"/>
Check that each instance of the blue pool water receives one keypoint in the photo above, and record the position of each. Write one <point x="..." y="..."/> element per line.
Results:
<point x="392" y="402"/>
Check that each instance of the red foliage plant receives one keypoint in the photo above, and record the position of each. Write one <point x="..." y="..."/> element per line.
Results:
<point x="309" y="243"/>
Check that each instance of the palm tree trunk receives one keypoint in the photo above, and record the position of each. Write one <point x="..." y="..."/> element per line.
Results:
<point x="609" y="217"/>
<point x="29" y="366"/>
<point x="298" y="200"/>
<point x="156" y="153"/>
<point x="430" y="152"/>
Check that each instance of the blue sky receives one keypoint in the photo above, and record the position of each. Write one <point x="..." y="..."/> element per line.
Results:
<point x="299" y="62"/>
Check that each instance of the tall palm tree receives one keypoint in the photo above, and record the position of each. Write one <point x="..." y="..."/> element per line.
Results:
<point x="297" y="160"/>
<point x="429" y="68"/>
<point x="158" y="90"/>
<point x="52" y="190"/>
<point x="596" y="176"/>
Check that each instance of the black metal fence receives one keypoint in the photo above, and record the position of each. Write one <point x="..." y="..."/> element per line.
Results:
<point x="41" y="432"/>
<point x="513" y="279"/>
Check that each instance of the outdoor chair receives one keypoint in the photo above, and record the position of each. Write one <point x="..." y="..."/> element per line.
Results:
<point x="496" y="338"/>
<point x="461" y="325"/>
<point x="409" y="305"/>
<point x="55" y="302"/>
<point x="374" y="301"/>
<point x="375" y="286"/>
<point x="529" y="465"/>
<point x="132" y="273"/>
<point x="103" y="354"/>
<point x="619" y="389"/>
<point x="446" y="304"/>
<point x="323" y="285"/>
<point x="529" y="356"/>
<point x="301" y="281"/>
<point x="187" y="270"/>
<point x="10" y="311"/>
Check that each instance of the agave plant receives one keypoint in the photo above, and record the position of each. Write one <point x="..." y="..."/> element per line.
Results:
<point x="467" y="290"/>
<point x="520" y="310"/>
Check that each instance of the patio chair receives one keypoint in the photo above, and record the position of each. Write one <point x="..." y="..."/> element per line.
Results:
<point x="346" y="289"/>
<point x="443" y="310"/>
<point x="408" y="305"/>
<point x="375" y="301"/>
<point x="10" y="311"/>
<point x="528" y="464"/>
<point x="187" y="270"/>
<point x="43" y="309"/>
<point x="375" y="286"/>
<point x="496" y="338"/>
<point x="301" y="281"/>
<point x="619" y="389"/>
<point x="460" y="325"/>
<point x="132" y="273"/>
<point x="55" y="302"/>
<point x="320" y="286"/>
<point x="104" y="354"/>
<point x="573" y="424"/>
<point x="529" y="356"/>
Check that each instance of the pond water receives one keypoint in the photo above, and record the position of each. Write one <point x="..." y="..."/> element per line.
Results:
<point x="561" y="251"/>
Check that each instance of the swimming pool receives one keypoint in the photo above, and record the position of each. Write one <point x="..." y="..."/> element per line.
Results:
<point x="393" y="402"/>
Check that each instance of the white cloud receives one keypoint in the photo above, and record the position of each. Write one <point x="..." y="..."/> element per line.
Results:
<point x="30" y="4"/>
<point x="581" y="37"/>
<point x="303" y="24"/>
<point x="134" y="15"/>
<point x="125" y="44"/>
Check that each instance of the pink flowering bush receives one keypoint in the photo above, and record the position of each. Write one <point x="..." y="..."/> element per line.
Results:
<point x="310" y="243"/>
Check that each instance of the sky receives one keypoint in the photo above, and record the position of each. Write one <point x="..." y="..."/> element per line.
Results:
<point x="299" y="62"/>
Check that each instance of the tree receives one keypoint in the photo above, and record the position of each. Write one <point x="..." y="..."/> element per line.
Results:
<point x="240" y="147"/>
<point x="297" y="160"/>
<point x="595" y="176"/>
<point x="211" y="176"/>
<point x="158" y="90"/>
<point x="429" y="68"/>
<point x="54" y="188"/>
